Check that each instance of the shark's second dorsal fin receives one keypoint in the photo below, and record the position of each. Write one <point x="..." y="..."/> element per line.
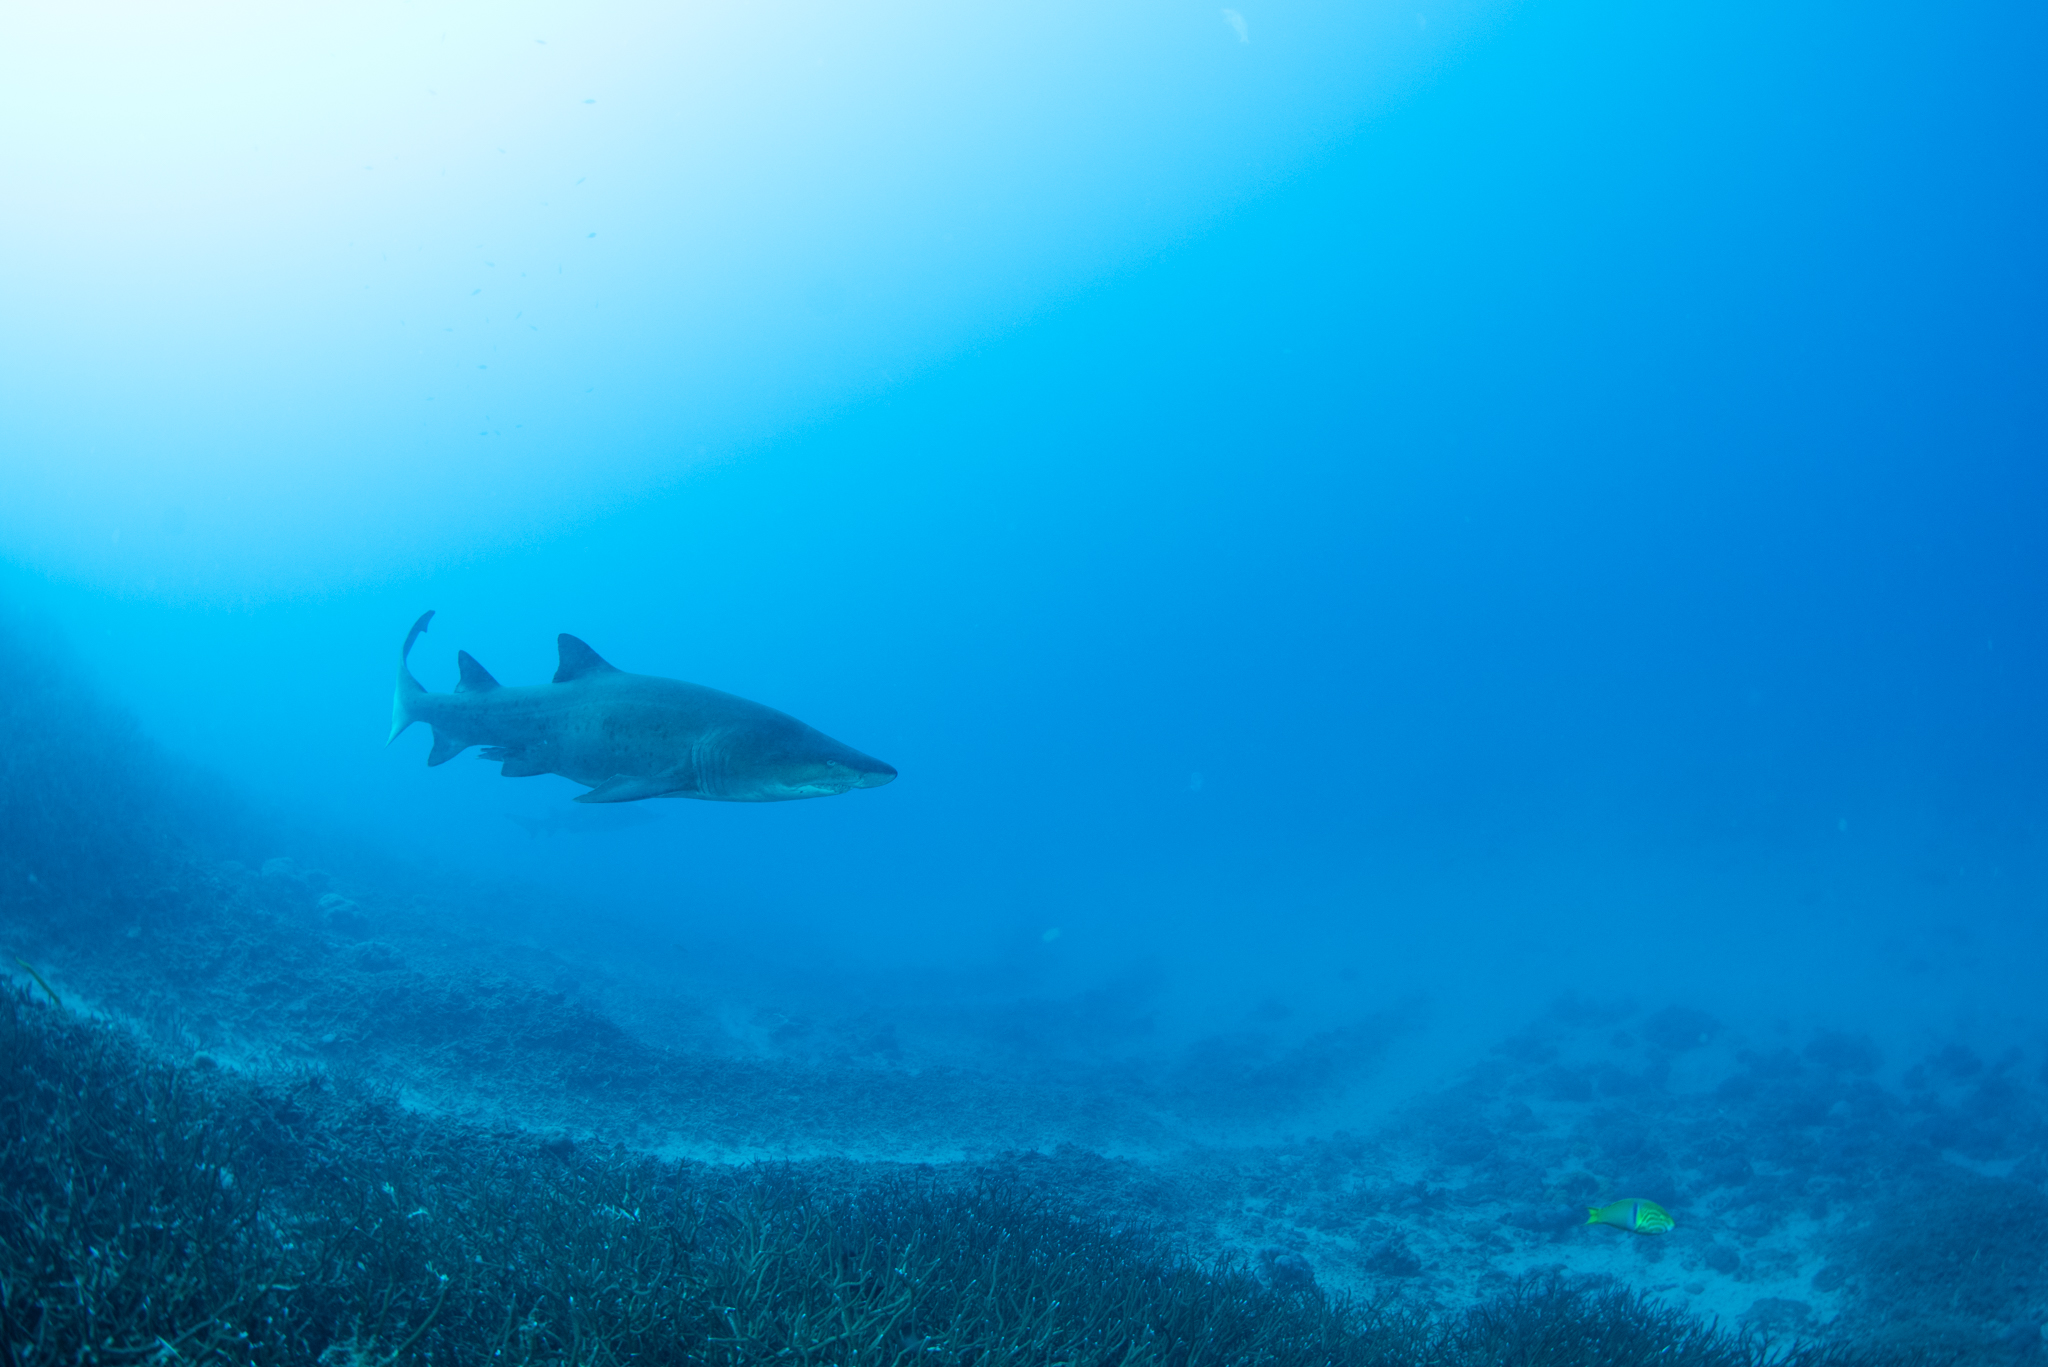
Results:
<point x="475" y="678"/>
<point x="579" y="661"/>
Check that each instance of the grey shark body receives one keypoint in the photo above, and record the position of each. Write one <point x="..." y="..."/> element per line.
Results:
<point x="630" y="736"/>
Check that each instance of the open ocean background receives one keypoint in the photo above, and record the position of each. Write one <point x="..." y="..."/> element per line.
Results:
<point x="1372" y="532"/>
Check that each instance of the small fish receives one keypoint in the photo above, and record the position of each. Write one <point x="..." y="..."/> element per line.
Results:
<point x="1643" y="1217"/>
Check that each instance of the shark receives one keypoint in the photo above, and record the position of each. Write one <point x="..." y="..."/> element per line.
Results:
<point x="626" y="737"/>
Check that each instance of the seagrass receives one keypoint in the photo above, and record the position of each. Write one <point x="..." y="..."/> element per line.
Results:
<point x="155" y="1212"/>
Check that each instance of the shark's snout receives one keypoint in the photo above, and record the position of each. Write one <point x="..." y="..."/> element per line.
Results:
<point x="854" y="770"/>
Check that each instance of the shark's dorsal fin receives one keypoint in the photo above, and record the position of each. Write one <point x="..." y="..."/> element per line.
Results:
<point x="475" y="678"/>
<point x="579" y="661"/>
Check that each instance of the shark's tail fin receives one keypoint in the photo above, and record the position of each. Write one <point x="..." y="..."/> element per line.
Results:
<point x="408" y="687"/>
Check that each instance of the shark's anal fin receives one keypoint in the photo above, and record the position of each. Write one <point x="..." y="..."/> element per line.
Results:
<point x="475" y="678"/>
<point x="632" y="788"/>
<point x="446" y="747"/>
<point x="579" y="661"/>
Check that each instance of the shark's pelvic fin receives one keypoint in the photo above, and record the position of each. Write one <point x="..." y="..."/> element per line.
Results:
<point x="408" y="687"/>
<point x="517" y="763"/>
<point x="446" y="747"/>
<point x="579" y="661"/>
<point x="475" y="678"/>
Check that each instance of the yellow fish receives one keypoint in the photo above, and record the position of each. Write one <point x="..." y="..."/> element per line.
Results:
<point x="1643" y="1217"/>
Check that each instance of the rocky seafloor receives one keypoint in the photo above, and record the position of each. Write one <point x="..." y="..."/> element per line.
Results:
<point x="1815" y="1202"/>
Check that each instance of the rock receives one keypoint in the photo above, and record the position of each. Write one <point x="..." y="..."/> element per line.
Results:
<point x="1287" y="1270"/>
<point x="1393" y="1258"/>
<point x="1677" y="1029"/>
<point x="344" y="916"/>
<point x="1844" y="1053"/>
<point x="1775" y="1312"/>
<point x="1541" y="1219"/>
<point x="373" y="957"/>
<point x="1723" y="1259"/>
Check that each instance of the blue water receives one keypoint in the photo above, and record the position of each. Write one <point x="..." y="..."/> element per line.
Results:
<point x="1414" y="511"/>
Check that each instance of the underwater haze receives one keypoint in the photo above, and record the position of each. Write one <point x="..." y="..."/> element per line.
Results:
<point x="1411" y="559"/>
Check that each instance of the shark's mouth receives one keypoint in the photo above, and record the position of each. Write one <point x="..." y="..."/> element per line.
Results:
<point x="836" y="784"/>
<point x="844" y="778"/>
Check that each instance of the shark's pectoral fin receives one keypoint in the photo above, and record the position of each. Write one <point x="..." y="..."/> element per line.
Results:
<point x="633" y="787"/>
<point x="446" y="747"/>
